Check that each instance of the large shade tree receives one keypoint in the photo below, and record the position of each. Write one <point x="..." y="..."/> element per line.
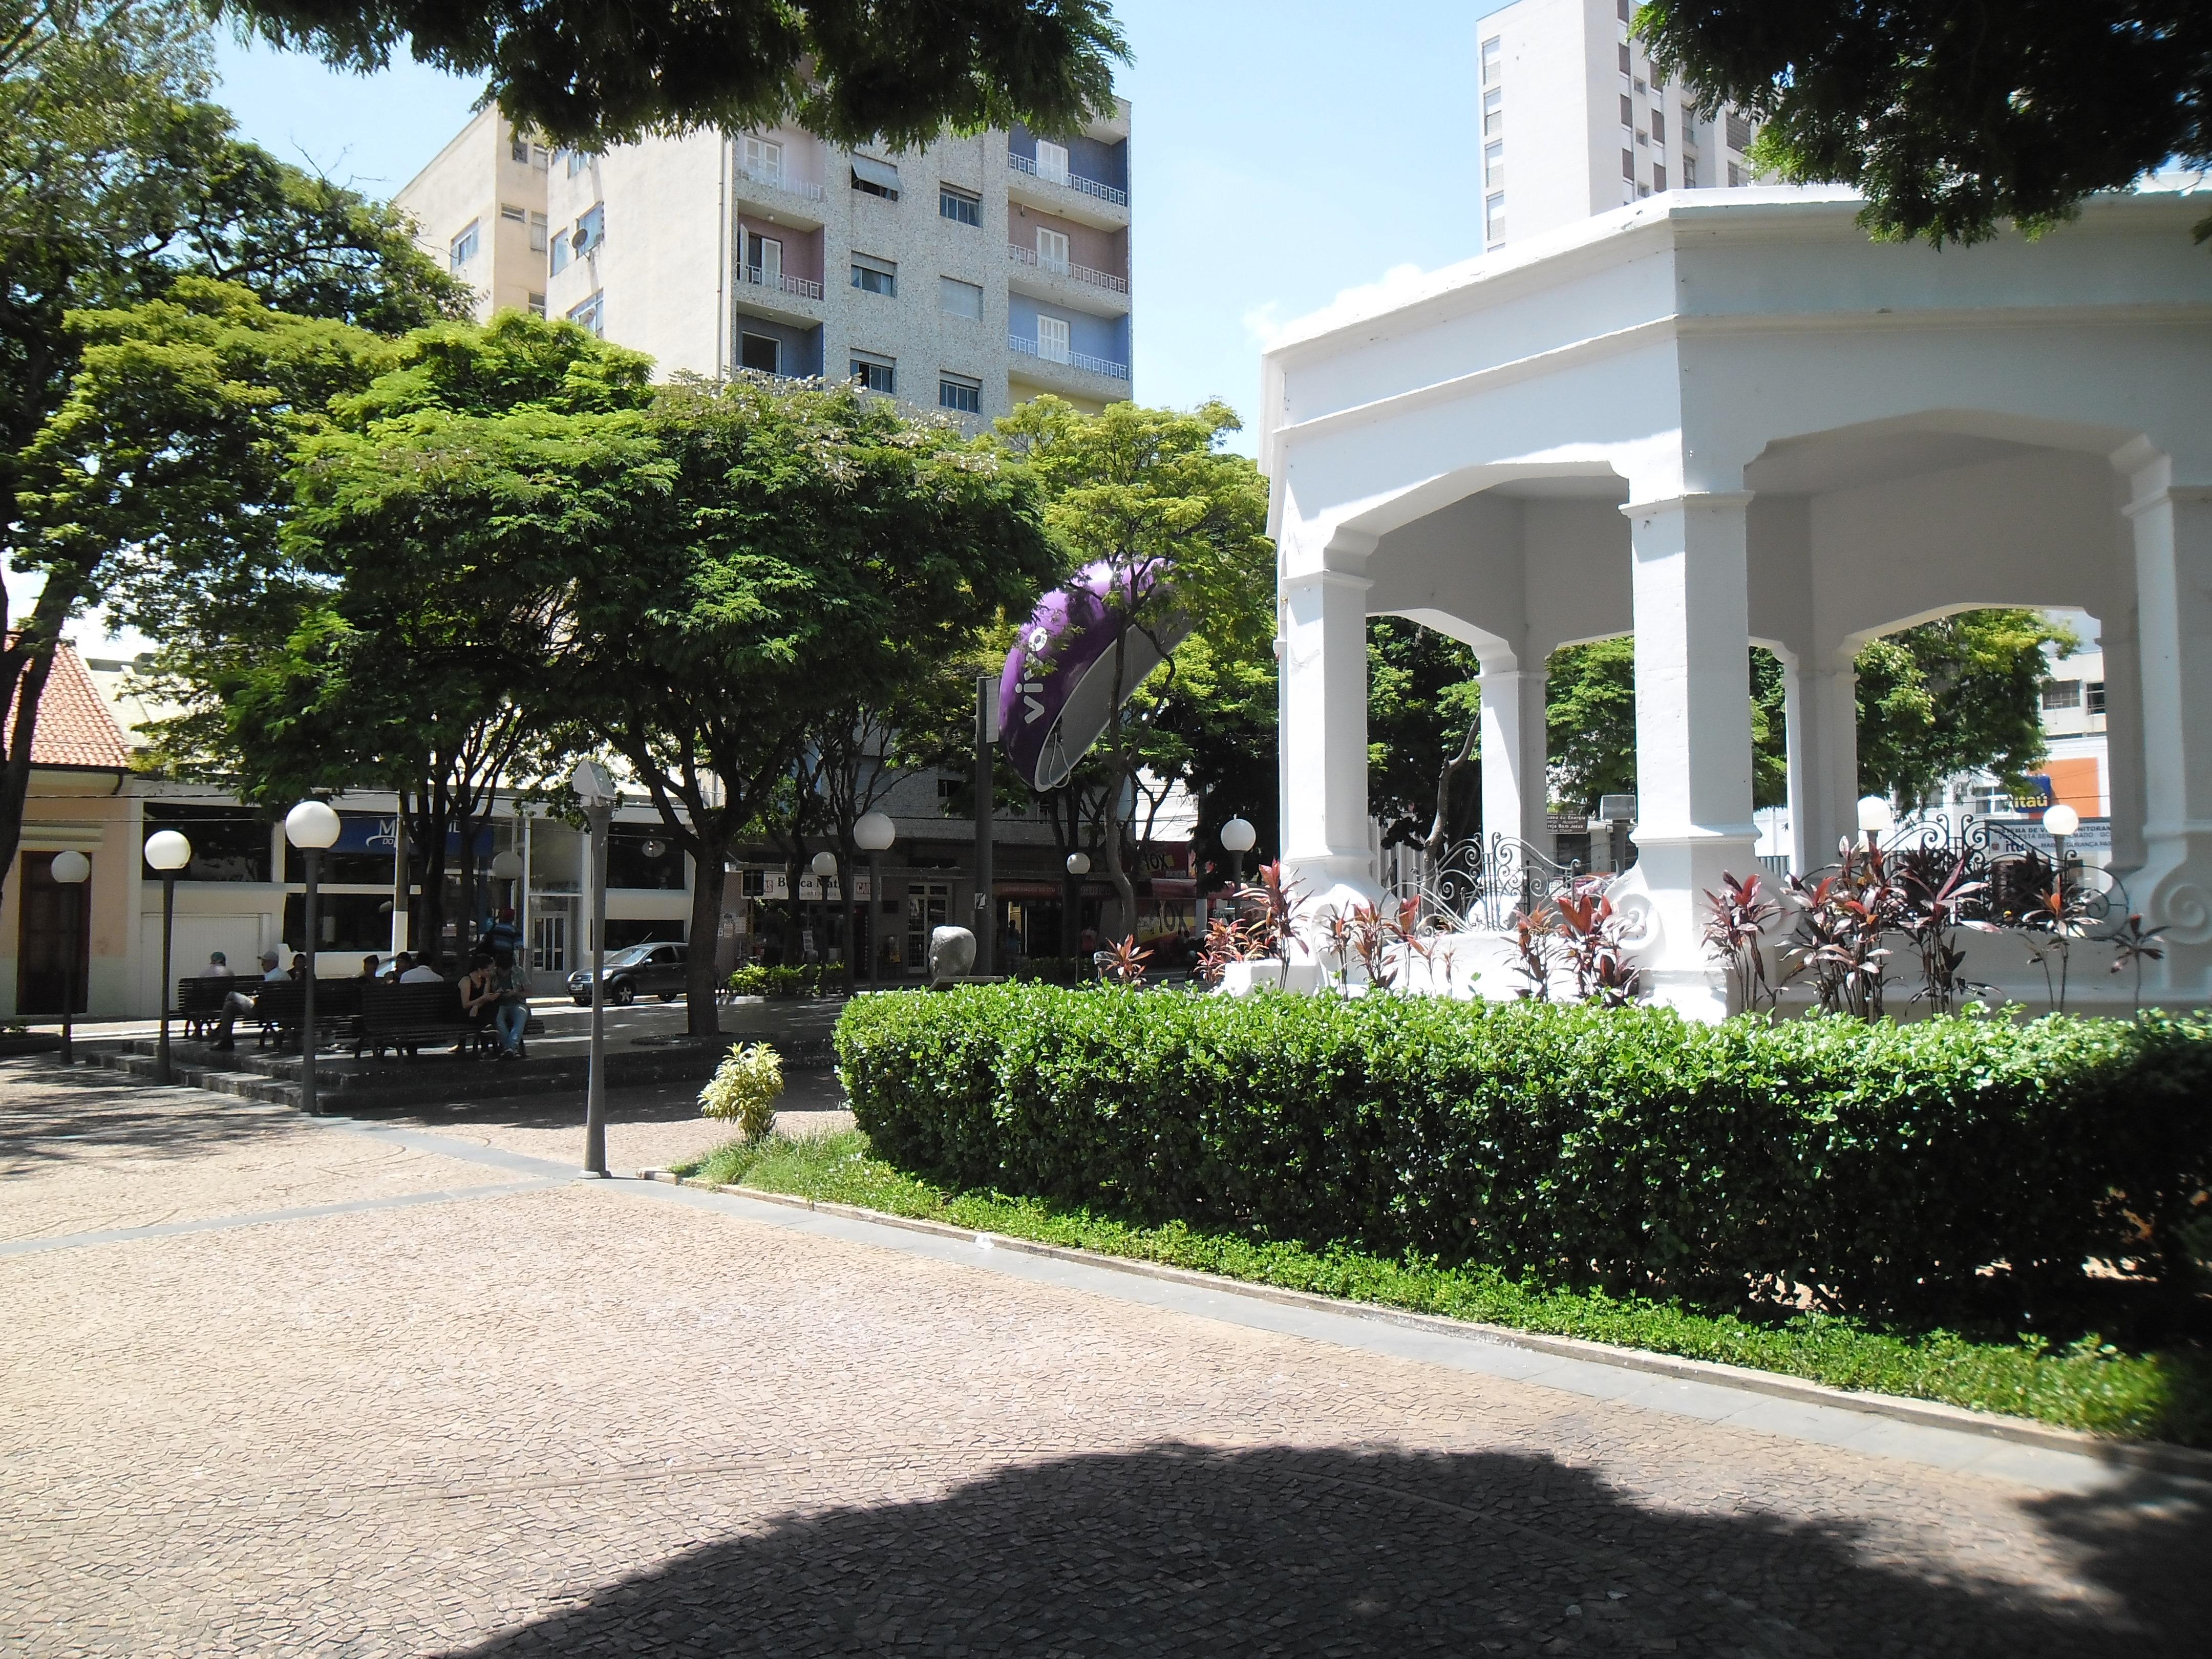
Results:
<point x="590" y="72"/>
<point x="1954" y="115"/>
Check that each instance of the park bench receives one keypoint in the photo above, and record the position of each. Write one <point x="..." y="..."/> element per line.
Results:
<point x="279" y="1004"/>
<point x="199" y="1001"/>
<point x="407" y="1017"/>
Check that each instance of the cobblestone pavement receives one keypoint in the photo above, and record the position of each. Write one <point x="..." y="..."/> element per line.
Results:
<point x="589" y="1419"/>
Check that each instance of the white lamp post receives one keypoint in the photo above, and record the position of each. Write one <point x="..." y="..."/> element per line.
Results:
<point x="311" y="826"/>
<point x="824" y="863"/>
<point x="2062" y="820"/>
<point x="1236" y="838"/>
<point x="168" y="852"/>
<point x="1876" y="819"/>
<point x="70" y="870"/>
<point x="595" y="792"/>
<point x="873" y="833"/>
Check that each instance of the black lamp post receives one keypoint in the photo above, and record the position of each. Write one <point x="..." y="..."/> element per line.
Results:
<point x="1236" y="838"/>
<point x="596" y="794"/>
<point x="311" y="826"/>
<point x="169" y="852"/>
<point x="70" y="870"/>
<point x="873" y="833"/>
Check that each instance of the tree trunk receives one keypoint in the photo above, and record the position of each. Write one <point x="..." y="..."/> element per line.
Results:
<point x="702" y="955"/>
<point x="1440" y="828"/>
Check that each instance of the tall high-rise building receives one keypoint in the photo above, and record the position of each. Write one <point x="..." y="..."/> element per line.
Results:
<point x="969" y="274"/>
<point x="1575" y="120"/>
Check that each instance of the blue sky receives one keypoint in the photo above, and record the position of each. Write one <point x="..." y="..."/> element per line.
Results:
<point x="1285" y="150"/>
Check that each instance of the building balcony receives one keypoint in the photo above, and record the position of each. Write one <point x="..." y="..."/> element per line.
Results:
<point x="1060" y="279"/>
<point x="774" y="291"/>
<point x="792" y="199"/>
<point x="1076" y="368"/>
<point x="1071" y="195"/>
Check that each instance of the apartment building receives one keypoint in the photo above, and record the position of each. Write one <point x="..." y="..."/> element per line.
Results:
<point x="968" y="276"/>
<point x="1575" y="121"/>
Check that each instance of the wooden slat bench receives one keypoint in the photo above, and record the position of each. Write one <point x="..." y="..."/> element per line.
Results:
<point x="408" y="1017"/>
<point x="199" y="1001"/>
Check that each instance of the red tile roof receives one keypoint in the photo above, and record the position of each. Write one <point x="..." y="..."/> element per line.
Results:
<point x="75" y="728"/>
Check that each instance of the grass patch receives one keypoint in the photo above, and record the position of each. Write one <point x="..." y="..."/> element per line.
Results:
<point x="2088" y="1384"/>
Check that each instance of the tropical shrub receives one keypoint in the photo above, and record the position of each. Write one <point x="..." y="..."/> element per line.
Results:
<point x="808" y="980"/>
<point x="745" y="1087"/>
<point x="1898" y="1169"/>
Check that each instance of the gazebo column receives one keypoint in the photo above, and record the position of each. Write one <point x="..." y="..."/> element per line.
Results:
<point x="2173" y="590"/>
<point x="1823" y="718"/>
<point x="1516" y="786"/>
<point x="1693" y="731"/>
<point x="2124" y="733"/>
<point x="1324" y="722"/>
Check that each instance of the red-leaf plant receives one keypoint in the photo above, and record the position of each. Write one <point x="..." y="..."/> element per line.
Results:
<point x="1124" y="964"/>
<point x="1535" y="938"/>
<point x="1592" y="933"/>
<point x="1935" y="899"/>
<point x="1841" y="922"/>
<point x="1274" y="897"/>
<point x="1739" y="916"/>
<point x="1226" y="941"/>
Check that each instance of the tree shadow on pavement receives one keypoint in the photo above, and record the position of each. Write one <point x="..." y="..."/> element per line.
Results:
<point x="1184" y="1550"/>
<point x="50" y="1117"/>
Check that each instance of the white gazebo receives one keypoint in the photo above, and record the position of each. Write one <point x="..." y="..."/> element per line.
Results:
<point x="1723" y="419"/>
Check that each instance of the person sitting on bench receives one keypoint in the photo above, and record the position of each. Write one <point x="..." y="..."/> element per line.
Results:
<point x="480" y="994"/>
<point x="239" y="1002"/>
<point x="420" y="971"/>
<point x="512" y="1018"/>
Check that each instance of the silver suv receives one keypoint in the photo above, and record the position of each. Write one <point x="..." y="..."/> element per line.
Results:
<point x="651" y="969"/>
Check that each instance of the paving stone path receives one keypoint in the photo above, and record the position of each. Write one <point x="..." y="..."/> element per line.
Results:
<point x="444" y="1405"/>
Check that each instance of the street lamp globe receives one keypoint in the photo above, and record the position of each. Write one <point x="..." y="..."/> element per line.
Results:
<point x="312" y="825"/>
<point x="824" y="863"/>
<point x="71" y="868"/>
<point x="167" y="851"/>
<point x="1238" y="835"/>
<point x="1875" y="817"/>
<point x="507" y="864"/>
<point x="2062" y="820"/>
<point x="1079" y="864"/>
<point x="874" y="832"/>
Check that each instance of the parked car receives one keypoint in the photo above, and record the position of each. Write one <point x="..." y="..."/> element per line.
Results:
<point x="655" y="969"/>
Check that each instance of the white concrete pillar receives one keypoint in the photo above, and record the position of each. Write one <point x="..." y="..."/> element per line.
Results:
<point x="1823" y="717"/>
<point x="2173" y="589"/>
<point x="1693" y="731"/>
<point x="1516" y="786"/>
<point x="2124" y="733"/>
<point x="1324" y="735"/>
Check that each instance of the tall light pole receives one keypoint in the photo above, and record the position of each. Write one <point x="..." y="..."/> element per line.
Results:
<point x="1070" y="920"/>
<point x="824" y="863"/>
<point x="596" y="794"/>
<point x="70" y="871"/>
<point x="873" y="833"/>
<point x="311" y="826"/>
<point x="169" y="852"/>
<point x="2060" y="821"/>
<point x="986" y="733"/>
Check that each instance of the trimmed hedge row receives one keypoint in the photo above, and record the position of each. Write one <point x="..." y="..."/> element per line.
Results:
<point x="1890" y="1166"/>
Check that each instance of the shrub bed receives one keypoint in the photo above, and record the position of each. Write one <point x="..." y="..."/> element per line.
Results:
<point x="1909" y="1170"/>
<point x="810" y="980"/>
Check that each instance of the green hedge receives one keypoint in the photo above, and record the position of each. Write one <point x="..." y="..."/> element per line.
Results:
<point x="1627" y="1149"/>
<point x="810" y="981"/>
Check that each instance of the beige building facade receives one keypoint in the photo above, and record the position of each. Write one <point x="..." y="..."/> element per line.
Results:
<point x="967" y="276"/>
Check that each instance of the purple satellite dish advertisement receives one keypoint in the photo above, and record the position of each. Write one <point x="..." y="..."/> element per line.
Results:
<point x="1056" y="694"/>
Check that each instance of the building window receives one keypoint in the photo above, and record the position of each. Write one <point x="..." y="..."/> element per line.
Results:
<point x="1052" y="339"/>
<point x="2062" y="694"/>
<point x="592" y="314"/>
<point x="958" y="299"/>
<point x="762" y="353"/>
<point x="1627" y="110"/>
<point x="1626" y="68"/>
<point x="559" y="260"/>
<point x="538" y="305"/>
<point x="513" y="213"/>
<point x="1642" y="136"/>
<point x="1494" y="218"/>
<point x="875" y="276"/>
<point x="1689" y="172"/>
<point x="538" y="233"/>
<point x="1734" y="175"/>
<point x="578" y="160"/>
<point x="874" y="177"/>
<point x="957" y="392"/>
<point x="960" y="206"/>
<point x="1627" y="10"/>
<point x="1052" y="161"/>
<point x="1739" y="132"/>
<point x="1628" y="165"/>
<point x="1491" y="53"/>
<point x="761" y="159"/>
<point x="1052" y="250"/>
<point x="591" y="230"/>
<point x="518" y="148"/>
<point x="1493" y="165"/>
<point x="464" y="247"/>
<point x="1659" y="175"/>
<point x="2096" y="697"/>
<point x="1658" y="126"/>
<point x="874" y="373"/>
<point x="1493" y="113"/>
<point x="764" y="259"/>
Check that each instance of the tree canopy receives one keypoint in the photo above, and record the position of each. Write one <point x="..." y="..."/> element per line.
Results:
<point x="1963" y="694"/>
<point x="1954" y="119"/>
<point x="591" y="73"/>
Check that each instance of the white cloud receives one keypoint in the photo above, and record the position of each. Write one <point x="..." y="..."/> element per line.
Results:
<point x="1395" y="288"/>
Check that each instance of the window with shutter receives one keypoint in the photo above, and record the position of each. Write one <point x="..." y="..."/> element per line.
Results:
<point x="1052" y="339"/>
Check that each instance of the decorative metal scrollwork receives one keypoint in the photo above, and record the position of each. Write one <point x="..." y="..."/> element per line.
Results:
<point x="1481" y="884"/>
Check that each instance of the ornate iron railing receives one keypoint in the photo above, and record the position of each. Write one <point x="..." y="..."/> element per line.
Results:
<point x="1482" y="884"/>
<point x="2015" y="874"/>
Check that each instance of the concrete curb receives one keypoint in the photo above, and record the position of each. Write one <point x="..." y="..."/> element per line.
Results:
<point x="2157" y="1455"/>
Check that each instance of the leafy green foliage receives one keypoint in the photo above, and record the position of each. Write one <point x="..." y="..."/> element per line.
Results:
<point x="1423" y="711"/>
<point x="1590" y="719"/>
<point x="746" y="1086"/>
<point x="1957" y="694"/>
<point x="808" y="980"/>
<point x="857" y="71"/>
<point x="2086" y="1384"/>
<point x="1954" y="119"/>
<point x="1884" y="1168"/>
